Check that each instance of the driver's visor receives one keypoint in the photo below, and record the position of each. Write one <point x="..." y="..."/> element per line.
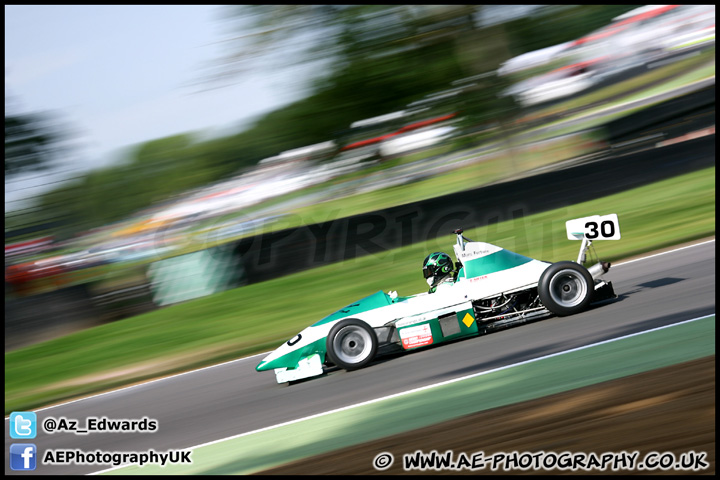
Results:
<point x="428" y="272"/>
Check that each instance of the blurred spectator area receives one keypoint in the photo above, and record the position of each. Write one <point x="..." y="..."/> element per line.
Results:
<point x="646" y="34"/>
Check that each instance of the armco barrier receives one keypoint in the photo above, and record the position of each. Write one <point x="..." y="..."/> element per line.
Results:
<point x="48" y="315"/>
<point x="275" y="254"/>
<point x="680" y="110"/>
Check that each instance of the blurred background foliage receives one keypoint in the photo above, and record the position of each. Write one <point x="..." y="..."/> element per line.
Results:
<point x="372" y="60"/>
<point x="29" y="144"/>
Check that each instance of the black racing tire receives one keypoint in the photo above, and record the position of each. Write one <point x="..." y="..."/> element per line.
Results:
<point x="566" y="288"/>
<point x="351" y="344"/>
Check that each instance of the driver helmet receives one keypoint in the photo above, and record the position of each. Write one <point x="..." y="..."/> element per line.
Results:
<point x="437" y="267"/>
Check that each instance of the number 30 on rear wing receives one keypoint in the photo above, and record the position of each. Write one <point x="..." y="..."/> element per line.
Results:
<point x="596" y="227"/>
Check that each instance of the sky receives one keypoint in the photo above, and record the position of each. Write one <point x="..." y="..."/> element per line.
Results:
<point x="121" y="75"/>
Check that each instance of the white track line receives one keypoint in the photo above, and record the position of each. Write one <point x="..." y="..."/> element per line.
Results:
<point x="265" y="353"/>
<point x="427" y="387"/>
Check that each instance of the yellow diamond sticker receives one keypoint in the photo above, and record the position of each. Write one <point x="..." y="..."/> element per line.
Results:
<point x="468" y="320"/>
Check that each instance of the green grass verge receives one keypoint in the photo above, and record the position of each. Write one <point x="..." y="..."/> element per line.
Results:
<point x="258" y="317"/>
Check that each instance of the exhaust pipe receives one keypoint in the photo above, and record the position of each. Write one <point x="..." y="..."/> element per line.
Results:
<point x="599" y="269"/>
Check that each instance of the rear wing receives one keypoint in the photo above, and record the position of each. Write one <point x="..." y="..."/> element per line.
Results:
<point x="596" y="227"/>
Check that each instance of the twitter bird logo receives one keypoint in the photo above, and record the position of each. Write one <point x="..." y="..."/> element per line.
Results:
<point x="23" y="425"/>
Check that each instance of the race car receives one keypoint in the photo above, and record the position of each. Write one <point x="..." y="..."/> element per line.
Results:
<point x="490" y="288"/>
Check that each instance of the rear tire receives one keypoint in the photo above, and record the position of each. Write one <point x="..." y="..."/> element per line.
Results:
<point x="566" y="288"/>
<point x="351" y="344"/>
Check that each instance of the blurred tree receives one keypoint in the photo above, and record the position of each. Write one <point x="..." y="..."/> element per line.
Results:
<point x="34" y="142"/>
<point x="338" y="35"/>
<point x="30" y="144"/>
<point x="256" y="30"/>
<point x="336" y="32"/>
<point x="375" y="59"/>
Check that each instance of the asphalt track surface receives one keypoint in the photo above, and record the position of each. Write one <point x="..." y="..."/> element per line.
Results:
<point x="232" y="398"/>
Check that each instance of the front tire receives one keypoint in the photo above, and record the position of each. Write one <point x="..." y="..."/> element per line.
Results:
<point x="351" y="344"/>
<point x="566" y="288"/>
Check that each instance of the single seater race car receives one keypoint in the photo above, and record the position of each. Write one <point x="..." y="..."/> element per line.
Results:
<point x="491" y="288"/>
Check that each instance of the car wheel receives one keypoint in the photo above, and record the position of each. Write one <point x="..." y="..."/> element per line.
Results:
<point x="566" y="288"/>
<point x="351" y="344"/>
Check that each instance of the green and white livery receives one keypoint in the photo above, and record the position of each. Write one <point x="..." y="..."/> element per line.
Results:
<point x="492" y="288"/>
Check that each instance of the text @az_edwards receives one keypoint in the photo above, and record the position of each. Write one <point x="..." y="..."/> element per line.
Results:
<point x="99" y="424"/>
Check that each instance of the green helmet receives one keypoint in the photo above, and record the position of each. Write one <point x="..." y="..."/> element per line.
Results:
<point x="437" y="265"/>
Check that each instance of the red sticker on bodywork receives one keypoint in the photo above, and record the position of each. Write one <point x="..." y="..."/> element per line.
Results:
<point x="416" y="336"/>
